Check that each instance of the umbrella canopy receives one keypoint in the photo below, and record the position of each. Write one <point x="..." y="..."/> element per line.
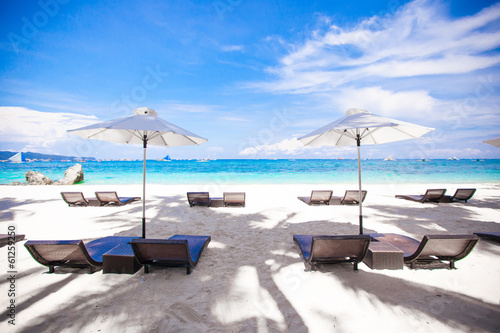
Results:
<point x="493" y="142"/>
<point x="360" y="127"/>
<point x="144" y="127"/>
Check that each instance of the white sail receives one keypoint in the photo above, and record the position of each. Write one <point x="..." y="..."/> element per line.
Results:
<point x="18" y="158"/>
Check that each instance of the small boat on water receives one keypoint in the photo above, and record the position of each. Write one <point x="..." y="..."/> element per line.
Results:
<point x="389" y="158"/>
<point x="17" y="158"/>
<point x="454" y="158"/>
<point x="165" y="159"/>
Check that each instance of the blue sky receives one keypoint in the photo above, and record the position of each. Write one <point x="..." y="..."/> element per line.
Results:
<point x="250" y="76"/>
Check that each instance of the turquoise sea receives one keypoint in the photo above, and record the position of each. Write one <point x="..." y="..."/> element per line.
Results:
<point x="237" y="171"/>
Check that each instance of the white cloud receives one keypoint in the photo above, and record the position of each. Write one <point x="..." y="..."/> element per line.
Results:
<point x="234" y="119"/>
<point x="287" y="147"/>
<point x="191" y="108"/>
<point x="232" y="48"/>
<point x="412" y="104"/>
<point x="38" y="131"/>
<point x="417" y="40"/>
<point x="293" y="147"/>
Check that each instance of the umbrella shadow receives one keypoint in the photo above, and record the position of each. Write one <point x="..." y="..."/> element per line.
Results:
<point x="7" y="204"/>
<point x="455" y="309"/>
<point x="236" y="285"/>
<point x="235" y="233"/>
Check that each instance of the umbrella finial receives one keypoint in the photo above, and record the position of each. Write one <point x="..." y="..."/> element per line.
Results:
<point x="354" y="111"/>
<point x="146" y="111"/>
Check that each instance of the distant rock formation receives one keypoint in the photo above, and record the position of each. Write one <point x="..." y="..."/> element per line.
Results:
<point x="72" y="175"/>
<point x="37" y="178"/>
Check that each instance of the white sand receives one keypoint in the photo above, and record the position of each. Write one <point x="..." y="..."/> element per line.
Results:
<point x="251" y="277"/>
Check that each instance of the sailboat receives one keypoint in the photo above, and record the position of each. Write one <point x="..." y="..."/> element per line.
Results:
<point x="165" y="159"/>
<point x="17" y="158"/>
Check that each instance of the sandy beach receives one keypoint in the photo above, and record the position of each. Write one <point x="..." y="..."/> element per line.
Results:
<point x="251" y="277"/>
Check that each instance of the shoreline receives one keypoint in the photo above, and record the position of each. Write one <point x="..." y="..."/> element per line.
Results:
<point x="251" y="277"/>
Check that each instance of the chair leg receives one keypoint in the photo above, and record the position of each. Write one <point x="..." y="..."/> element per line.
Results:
<point x="452" y="264"/>
<point x="188" y="270"/>
<point x="51" y="269"/>
<point x="146" y="268"/>
<point x="355" y="265"/>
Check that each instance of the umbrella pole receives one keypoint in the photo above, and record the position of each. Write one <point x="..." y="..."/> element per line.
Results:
<point x="145" y="141"/>
<point x="360" y="201"/>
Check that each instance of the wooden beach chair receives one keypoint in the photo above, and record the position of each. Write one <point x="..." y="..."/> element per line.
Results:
<point x="461" y="195"/>
<point x="234" y="199"/>
<point x="351" y="197"/>
<point x="432" y="248"/>
<point x="73" y="253"/>
<point x="5" y="239"/>
<point x="431" y="195"/>
<point x="332" y="249"/>
<point x="177" y="251"/>
<point x="74" y="199"/>
<point x="198" y="199"/>
<point x="492" y="236"/>
<point x="317" y="197"/>
<point x="111" y="198"/>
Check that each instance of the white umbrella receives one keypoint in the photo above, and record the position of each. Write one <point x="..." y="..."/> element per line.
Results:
<point x="493" y="142"/>
<point x="362" y="127"/>
<point x="144" y="127"/>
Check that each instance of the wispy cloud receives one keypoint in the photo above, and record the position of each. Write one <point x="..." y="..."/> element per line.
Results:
<point x="190" y="108"/>
<point x="234" y="119"/>
<point x="416" y="40"/>
<point x="293" y="147"/>
<point x="232" y="48"/>
<point x="38" y="131"/>
<point x="287" y="146"/>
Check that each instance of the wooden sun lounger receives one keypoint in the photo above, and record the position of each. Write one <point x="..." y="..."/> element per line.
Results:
<point x="493" y="236"/>
<point x="461" y="195"/>
<point x="351" y="197"/>
<point x="198" y="199"/>
<point x="318" y="197"/>
<point x="177" y="251"/>
<point x="112" y="198"/>
<point x="234" y="199"/>
<point x="432" y="195"/>
<point x="5" y="239"/>
<point x="74" y="199"/>
<point x="333" y="249"/>
<point x="73" y="253"/>
<point x="432" y="248"/>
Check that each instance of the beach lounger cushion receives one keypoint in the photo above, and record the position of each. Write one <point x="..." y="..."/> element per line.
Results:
<point x="461" y="195"/>
<point x="333" y="249"/>
<point x="198" y="199"/>
<point x="177" y="251"/>
<point x="234" y="199"/>
<point x="449" y="248"/>
<point x="112" y="198"/>
<point x="73" y="253"/>
<point x="431" y="195"/>
<point x="318" y="197"/>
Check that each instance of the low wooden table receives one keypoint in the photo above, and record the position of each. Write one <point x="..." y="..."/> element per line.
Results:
<point x="120" y="260"/>
<point x="93" y="202"/>
<point x="383" y="255"/>
<point x="216" y="202"/>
